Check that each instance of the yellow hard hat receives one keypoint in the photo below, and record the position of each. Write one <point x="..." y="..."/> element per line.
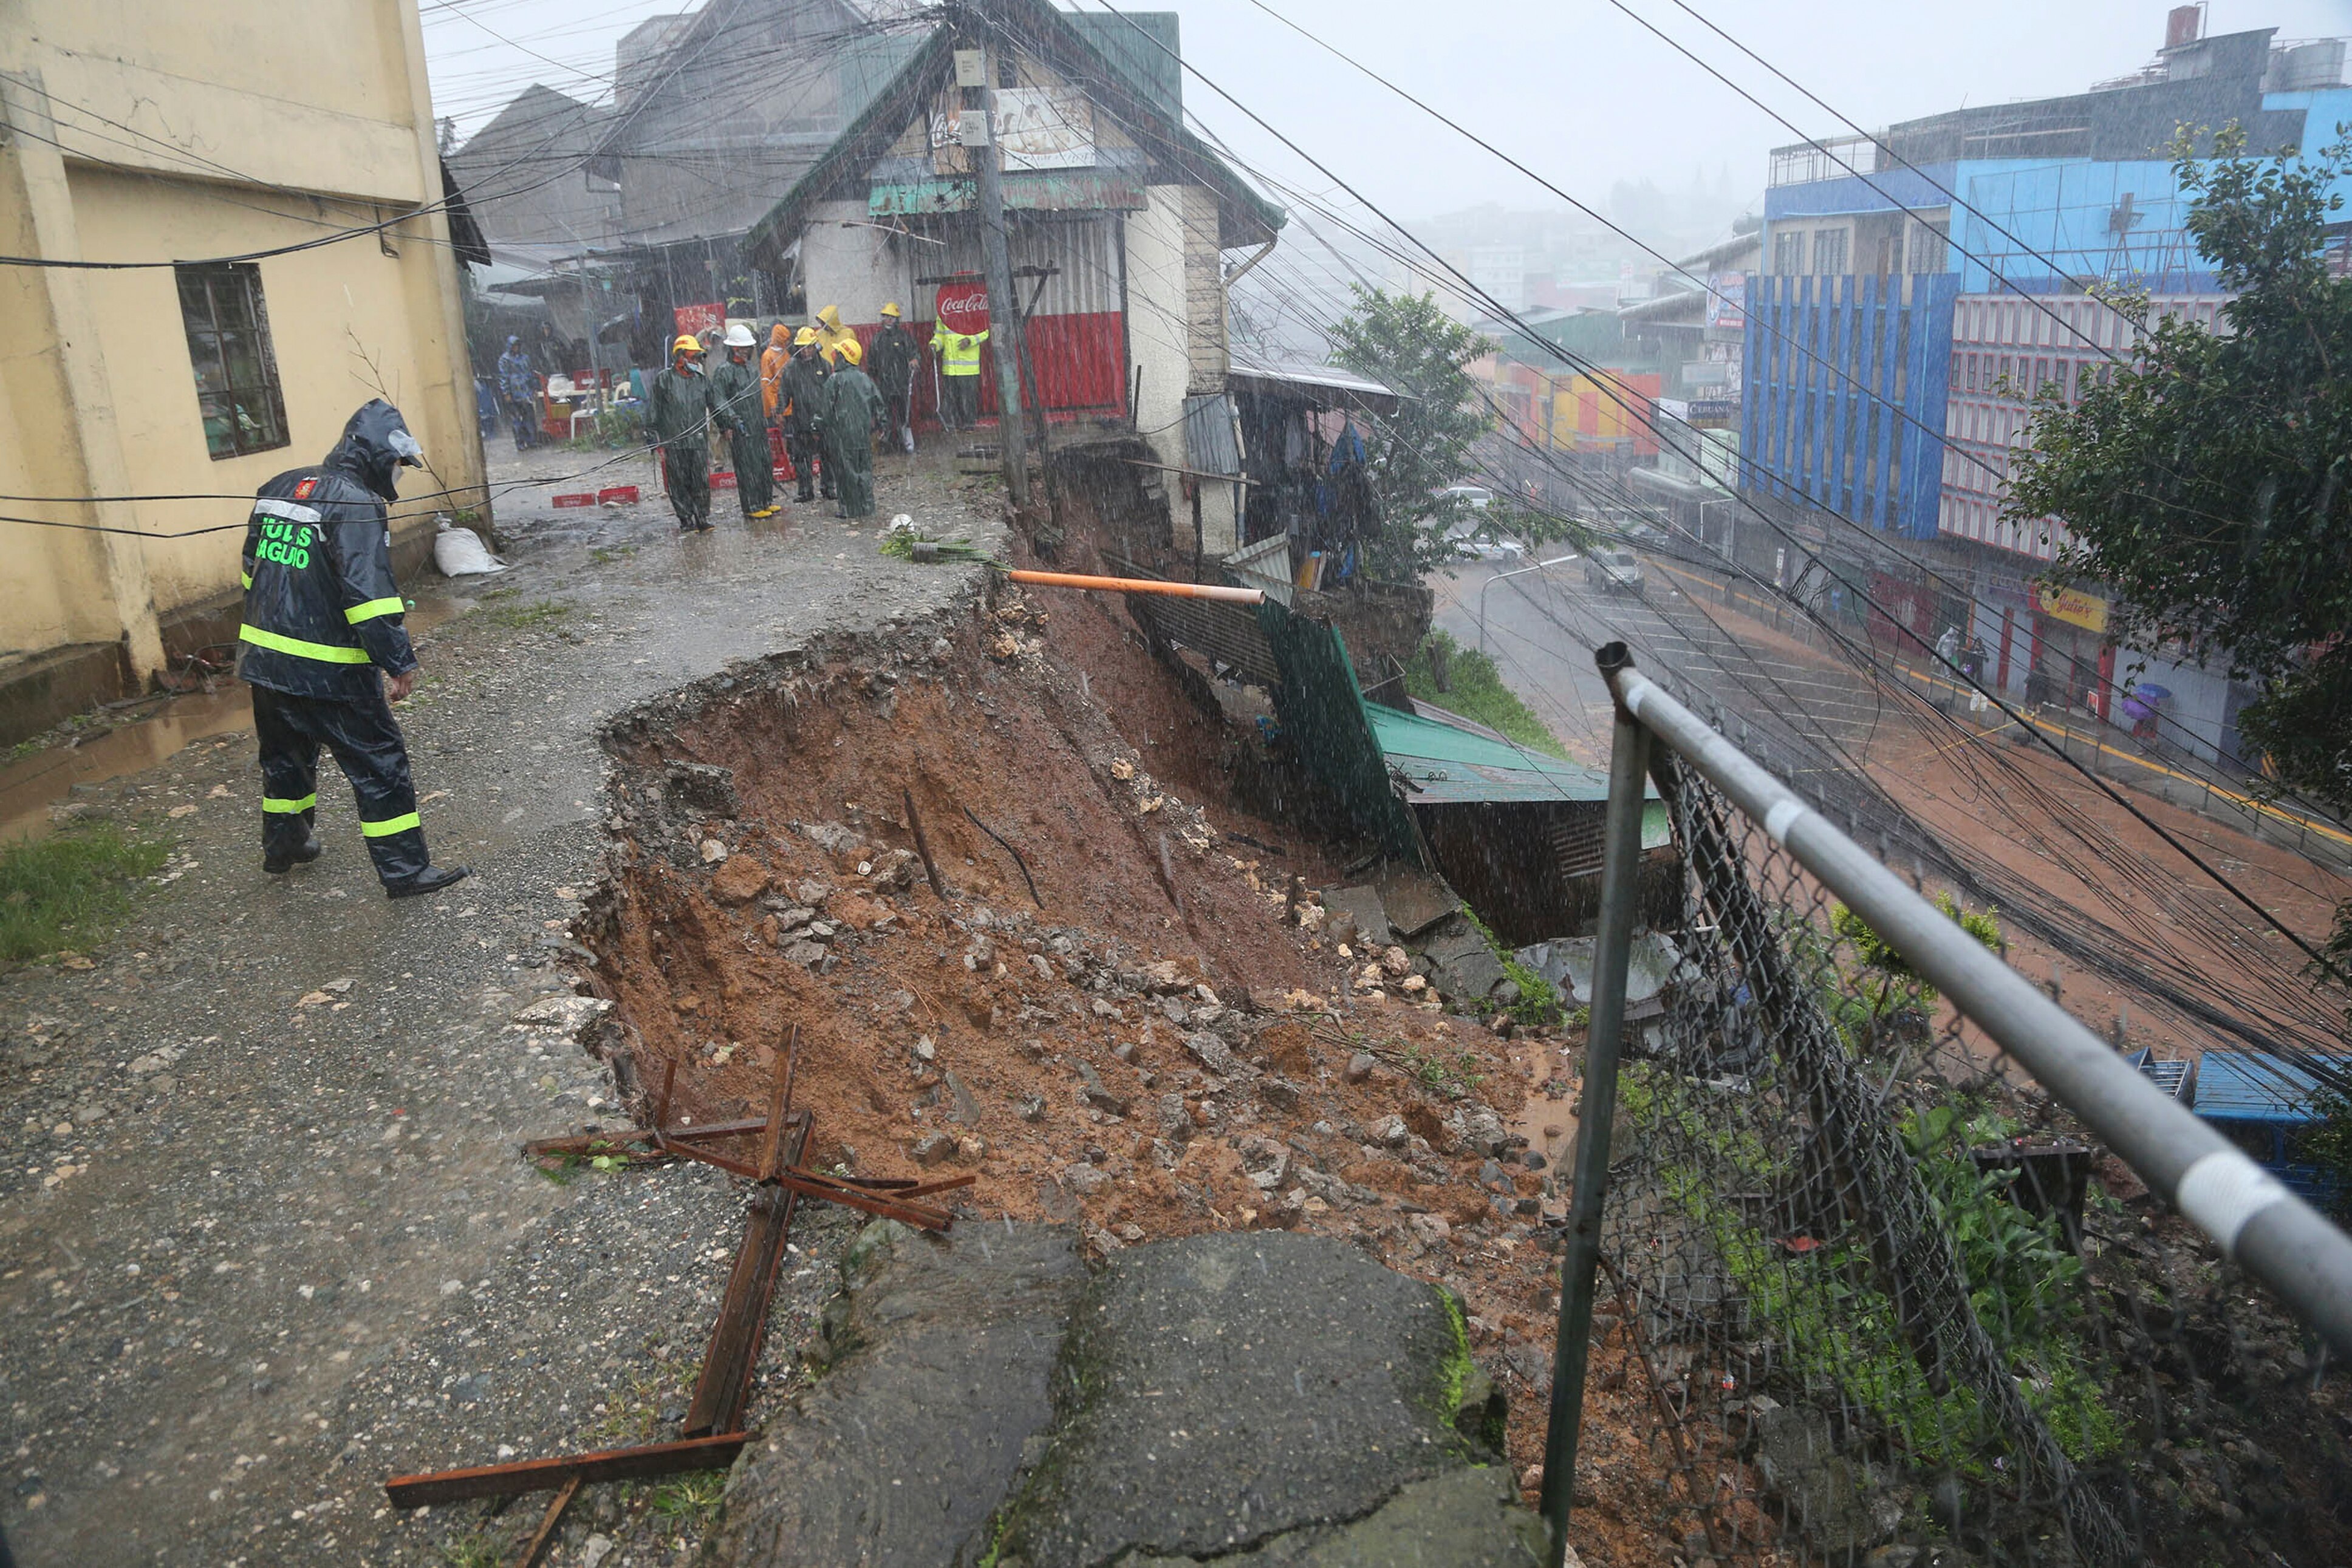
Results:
<point x="686" y="344"/>
<point x="805" y="336"/>
<point x="891" y="308"/>
<point x="850" y="350"/>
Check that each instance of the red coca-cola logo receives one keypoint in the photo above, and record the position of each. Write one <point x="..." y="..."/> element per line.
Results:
<point x="963" y="307"/>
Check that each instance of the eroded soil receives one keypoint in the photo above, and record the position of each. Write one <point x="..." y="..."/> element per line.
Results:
<point x="1153" y="1045"/>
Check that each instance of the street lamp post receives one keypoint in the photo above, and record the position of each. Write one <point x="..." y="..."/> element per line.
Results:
<point x="1515" y="571"/>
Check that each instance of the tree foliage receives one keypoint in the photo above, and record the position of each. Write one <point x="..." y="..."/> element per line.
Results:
<point x="1406" y="341"/>
<point x="2209" y="482"/>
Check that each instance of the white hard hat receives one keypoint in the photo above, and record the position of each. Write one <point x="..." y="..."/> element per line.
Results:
<point x="738" y="336"/>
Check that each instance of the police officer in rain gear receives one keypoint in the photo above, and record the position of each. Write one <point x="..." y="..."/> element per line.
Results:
<point x="803" y="389"/>
<point x="735" y="404"/>
<point x="853" y="407"/>
<point x="680" y="417"/>
<point x="890" y="362"/>
<point x="959" y="356"/>
<point x="326" y="654"/>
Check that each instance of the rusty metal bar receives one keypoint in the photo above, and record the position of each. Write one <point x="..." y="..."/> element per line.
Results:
<point x="833" y="1190"/>
<point x="751" y="1286"/>
<point x="433" y="1487"/>
<point x="661" y="1105"/>
<point x="921" y="1189"/>
<point x="615" y="1141"/>
<point x="779" y="1100"/>
<point x="923" y="845"/>
<point x="537" y="1546"/>
<point x="1017" y="858"/>
<point x="704" y="1157"/>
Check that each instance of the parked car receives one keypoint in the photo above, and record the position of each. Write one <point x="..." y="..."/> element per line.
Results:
<point x="1612" y="570"/>
<point x="1501" y="550"/>
<point x="1477" y="495"/>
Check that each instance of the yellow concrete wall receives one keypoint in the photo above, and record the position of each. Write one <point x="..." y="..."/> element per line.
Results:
<point x="341" y="326"/>
<point x="161" y="132"/>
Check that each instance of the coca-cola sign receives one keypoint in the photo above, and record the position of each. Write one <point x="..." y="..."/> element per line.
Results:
<point x="963" y="307"/>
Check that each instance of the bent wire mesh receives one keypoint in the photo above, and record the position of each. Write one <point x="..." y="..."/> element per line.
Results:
<point x="1892" y="1301"/>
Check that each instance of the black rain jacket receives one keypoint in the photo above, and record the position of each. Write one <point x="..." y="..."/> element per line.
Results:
<point x="322" y="612"/>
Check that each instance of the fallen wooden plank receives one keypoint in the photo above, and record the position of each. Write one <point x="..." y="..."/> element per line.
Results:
<point x="434" y="1487"/>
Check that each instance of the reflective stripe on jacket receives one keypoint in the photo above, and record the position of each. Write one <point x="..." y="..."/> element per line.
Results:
<point x="323" y="611"/>
<point x="958" y="352"/>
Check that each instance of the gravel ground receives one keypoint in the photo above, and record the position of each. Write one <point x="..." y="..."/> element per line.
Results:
<point x="266" y="1239"/>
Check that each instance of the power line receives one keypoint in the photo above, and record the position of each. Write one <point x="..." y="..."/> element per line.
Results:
<point x="2171" y="840"/>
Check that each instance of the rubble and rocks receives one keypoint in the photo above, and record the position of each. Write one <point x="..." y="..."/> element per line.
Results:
<point x="1845" y="1505"/>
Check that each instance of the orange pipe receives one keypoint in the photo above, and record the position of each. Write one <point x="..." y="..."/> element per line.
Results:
<point x="1141" y="585"/>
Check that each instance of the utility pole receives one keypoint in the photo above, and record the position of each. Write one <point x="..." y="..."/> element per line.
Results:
<point x="1004" y="309"/>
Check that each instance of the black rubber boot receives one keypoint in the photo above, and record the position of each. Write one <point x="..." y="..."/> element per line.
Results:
<point x="278" y="862"/>
<point x="432" y="879"/>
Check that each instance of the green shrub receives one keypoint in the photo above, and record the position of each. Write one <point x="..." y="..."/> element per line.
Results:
<point x="1476" y="692"/>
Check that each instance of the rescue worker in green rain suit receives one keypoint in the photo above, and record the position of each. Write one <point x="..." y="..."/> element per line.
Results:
<point x="853" y="408"/>
<point x="801" y="405"/>
<point x="735" y="404"/>
<point x="890" y="363"/>
<point x="680" y="417"/>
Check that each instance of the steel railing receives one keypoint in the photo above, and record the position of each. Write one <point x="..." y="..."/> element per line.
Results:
<point x="2246" y="1213"/>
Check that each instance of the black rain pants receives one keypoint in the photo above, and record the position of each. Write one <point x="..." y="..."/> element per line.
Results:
<point x="367" y="744"/>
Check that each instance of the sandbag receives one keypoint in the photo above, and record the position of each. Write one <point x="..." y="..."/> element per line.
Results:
<point x="461" y="552"/>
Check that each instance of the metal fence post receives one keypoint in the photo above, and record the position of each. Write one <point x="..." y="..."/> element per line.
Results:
<point x="1628" y="769"/>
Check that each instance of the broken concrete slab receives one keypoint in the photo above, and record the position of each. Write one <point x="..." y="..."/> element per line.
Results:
<point x="1567" y="963"/>
<point x="1843" y="1504"/>
<point x="1361" y="908"/>
<point x="1222" y="1392"/>
<point x="944" y="1350"/>
<point x="573" y="1015"/>
<point x="1415" y="899"/>
<point x="1463" y="964"/>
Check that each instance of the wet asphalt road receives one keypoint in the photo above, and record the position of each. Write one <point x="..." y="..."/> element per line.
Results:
<point x="257" y="1252"/>
<point x="1541" y="628"/>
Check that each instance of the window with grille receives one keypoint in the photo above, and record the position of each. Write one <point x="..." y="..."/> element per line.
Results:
<point x="238" y="395"/>
<point x="1829" y="252"/>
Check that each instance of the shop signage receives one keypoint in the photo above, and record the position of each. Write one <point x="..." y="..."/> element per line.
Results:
<point x="2072" y="606"/>
<point x="694" y="320"/>
<point x="1726" y="301"/>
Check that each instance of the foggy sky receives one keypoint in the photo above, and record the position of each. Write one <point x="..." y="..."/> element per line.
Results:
<point x="1571" y="87"/>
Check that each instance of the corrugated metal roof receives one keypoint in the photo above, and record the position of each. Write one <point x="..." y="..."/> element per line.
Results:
<point x="1208" y="441"/>
<point x="1326" y="385"/>
<point x="2258" y="1086"/>
<point x="1145" y="47"/>
<point x="1441" y="764"/>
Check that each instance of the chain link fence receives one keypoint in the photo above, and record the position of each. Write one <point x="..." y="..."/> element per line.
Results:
<point x="1898" y="1303"/>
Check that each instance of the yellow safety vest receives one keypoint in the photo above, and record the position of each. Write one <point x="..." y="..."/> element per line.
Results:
<point x="959" y="354"/>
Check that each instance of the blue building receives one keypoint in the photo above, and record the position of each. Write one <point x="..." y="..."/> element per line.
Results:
<point x="1896" y="336"/>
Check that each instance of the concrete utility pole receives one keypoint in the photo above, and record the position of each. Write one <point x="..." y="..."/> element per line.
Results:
<point x="1004" y="309"/>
